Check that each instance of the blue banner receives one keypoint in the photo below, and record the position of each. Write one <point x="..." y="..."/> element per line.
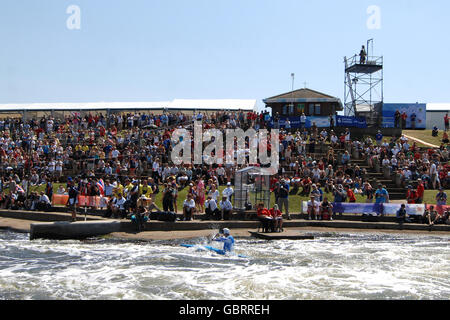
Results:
<point x="362" y="208"/>
<point x="352" y="122"/>
<point x="321" y="122"/>
<point x="373" y="208"/>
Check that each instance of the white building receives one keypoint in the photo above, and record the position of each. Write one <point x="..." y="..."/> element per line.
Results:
<point x="436" y="113"/>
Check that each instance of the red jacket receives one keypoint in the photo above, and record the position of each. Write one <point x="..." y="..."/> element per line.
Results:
<point x="275" y="213"/>
<point x="263" y="213"/>
<point x="420" y="191"/>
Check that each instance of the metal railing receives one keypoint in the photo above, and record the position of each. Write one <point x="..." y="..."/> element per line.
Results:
<point x="370" y="60"/>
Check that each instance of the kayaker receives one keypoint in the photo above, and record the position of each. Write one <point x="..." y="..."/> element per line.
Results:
<point x="227" y="239"/>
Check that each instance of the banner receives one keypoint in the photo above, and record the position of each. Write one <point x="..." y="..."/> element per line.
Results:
<point x="87" y="201"/>
<point x="411" y="209"/>
<point x="60" y="199"/>
<point x="361" y="208"/>
<point x="372" y="208"/>
<point x="439" y="209"/>
<point x="419" y="109"/>
<point x="321" y="122"/>
<point x="352" y="122"/>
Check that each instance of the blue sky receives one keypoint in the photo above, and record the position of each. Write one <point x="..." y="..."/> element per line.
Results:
<point x="158" y="50"/>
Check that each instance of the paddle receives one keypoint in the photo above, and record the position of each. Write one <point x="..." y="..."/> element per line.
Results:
<point x="210" y="237"/>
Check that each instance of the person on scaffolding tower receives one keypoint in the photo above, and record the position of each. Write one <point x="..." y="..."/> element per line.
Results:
<point x="362" y="55"/>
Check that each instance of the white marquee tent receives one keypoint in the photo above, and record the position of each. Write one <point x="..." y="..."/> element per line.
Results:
<point x="177" y="104"/>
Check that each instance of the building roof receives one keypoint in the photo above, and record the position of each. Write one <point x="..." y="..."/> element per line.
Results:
<point x="303" y="95"/>
<point x="444" y="107"/>
<point x="217" y="104"/>
<point x="178" y="104"/>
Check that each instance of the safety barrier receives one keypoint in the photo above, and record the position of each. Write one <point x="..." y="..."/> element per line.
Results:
<point x="373" y="208"/>
<point x="439" y="209"/>
<point x="83" y="201"/>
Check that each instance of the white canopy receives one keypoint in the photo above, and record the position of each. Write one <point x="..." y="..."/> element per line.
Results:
<point x="178" y="104"/>
<point x="83" y="106"/>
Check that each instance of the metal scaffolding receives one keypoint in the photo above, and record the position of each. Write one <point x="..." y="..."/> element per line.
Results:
<point x="364" y="86"/>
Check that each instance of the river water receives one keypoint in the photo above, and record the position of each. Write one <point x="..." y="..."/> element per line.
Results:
<point x="333" y="266"/>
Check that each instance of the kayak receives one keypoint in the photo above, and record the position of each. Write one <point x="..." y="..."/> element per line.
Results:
<point x="218" y="251"/>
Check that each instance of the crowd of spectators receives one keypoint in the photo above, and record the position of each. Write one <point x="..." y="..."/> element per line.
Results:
<point x="126" y="158"/>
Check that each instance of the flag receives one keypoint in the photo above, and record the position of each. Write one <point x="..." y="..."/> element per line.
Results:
<point x="101" y="187"/>
<point x="19" y="189"/>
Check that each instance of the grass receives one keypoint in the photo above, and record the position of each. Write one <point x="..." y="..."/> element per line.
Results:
<point x="295" y="201"/>
<point x="425" y="135"/>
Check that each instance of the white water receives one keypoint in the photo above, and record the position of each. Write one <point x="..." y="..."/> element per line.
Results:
<point x="333" y="266"/>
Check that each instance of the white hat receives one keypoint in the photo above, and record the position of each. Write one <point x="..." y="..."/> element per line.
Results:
<point x="226" y="231"/>
<point x="229" y="184"/>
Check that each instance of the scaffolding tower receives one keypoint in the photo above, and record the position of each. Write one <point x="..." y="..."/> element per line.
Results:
<point x="364" y="86"/>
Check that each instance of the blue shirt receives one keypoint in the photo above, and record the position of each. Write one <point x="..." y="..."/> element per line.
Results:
<point x="382" y="196"/>
<point x="228" y="243"/>
<point x="379" y="137"/>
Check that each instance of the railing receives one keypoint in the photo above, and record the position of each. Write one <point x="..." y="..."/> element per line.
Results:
<point x="370" y="60"/>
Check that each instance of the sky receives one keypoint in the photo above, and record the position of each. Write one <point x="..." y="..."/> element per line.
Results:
<point x="160" y="50"/>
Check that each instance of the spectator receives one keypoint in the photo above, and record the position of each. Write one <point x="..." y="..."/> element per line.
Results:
<point x="445" y="137"/>
<point x="429" y="216"/>
<point x="435" y="132"/>
<point x="401" y="215"/>
<point x="315" y="193"/>
<point x="188" y="208"/>
<point x="211" y="209"/>
<point x="420" y="191"/>
<point x="306" y="184"/>
<point x="379" y="138"/>
<point x="413" y="120"/>
<point x="411" y="195"/>
<point x="228" y="191"/>
<point x="168" y="198"/>
<point x="61" y="190"/>
<point x="44" y="203"/>
<point x="265" y="218"/>
<point x="201" y="195"/>
<point x="283" y="197"/>
<point x="118" y="205"/>
<point x="326" y="210"/>
<point x="340" y="195"/>
<point x="226" y="209"/>
<point x="404" y="117"/>
<point x="433" y="174"/>
<point x="381" y="195"/>
<point x="397" y="119"/>
<point x="277" y="217"/>
<point x="350" y="195"/>
<point x="313" y="209"/>
<point x="446" y="121"/>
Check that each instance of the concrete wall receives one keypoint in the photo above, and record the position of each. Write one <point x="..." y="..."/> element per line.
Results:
<point x="83" y="230"/>
<point x="77" y="230"/>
